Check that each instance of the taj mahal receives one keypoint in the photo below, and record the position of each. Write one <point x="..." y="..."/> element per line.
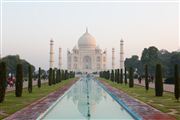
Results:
<point x="87" y="56"/>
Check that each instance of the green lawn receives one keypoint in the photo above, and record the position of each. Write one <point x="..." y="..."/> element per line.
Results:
<point x="13" y="104"/>
<point x="167" y="103"/>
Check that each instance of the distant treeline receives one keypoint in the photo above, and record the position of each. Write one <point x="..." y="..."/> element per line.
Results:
<point x="152" y="56"/>
<point x="12" y="61"/>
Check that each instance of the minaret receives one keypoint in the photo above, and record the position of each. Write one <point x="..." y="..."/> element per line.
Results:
<point x="113" y="58"/>
<point x="86" y="29"/>
<point x="51" y="62"/>
<point x="60" y="58"/>
<point x="121" y="54"/>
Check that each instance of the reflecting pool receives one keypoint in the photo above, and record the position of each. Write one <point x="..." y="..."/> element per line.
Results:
<point x="86" y="100"/>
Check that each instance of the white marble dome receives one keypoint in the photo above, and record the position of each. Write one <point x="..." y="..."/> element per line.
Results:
<point x="87" y="41"/>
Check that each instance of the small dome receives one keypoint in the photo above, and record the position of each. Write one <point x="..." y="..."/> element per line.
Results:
<point x="87" y="41"/>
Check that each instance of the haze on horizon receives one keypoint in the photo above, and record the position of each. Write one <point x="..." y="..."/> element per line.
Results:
<point x="28" y="28"/>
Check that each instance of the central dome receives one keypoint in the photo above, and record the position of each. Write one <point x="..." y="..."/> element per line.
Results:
<point x="87" y="41"/>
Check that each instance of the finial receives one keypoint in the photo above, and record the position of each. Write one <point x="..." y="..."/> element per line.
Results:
<point x="121" y="40"/>
<point x="86" y="29"/>
<point x="51" y="39"/>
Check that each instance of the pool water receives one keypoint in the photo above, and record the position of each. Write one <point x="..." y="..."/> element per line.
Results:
<point x="86" y="100"/>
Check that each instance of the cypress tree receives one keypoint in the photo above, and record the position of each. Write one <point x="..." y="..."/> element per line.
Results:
<point x="50" y="76"/>
<point x="108" y="75"/>
<point x="121" y="77"/>
<point x="30" y="79"/>
<point x="66" y="75"/>
<point x="60" y="76"/>
<point x="146" y="78"/>
<point x="3" y="82"/>
<point x="177" y="82"/>
<point x="158" y="81"/>
<point x="118" y="76"/>
<point x="19" y="80"/>
<point x="112" y="75"/>
<point x="39" y="78"/>
<point x="53" y="79"/>
<point x="125" y="76"/>
<point x="131" y="77"/>
<point x="63" y="75"/>
<point x="115" y="76"/>
<point x="57" y="76"/>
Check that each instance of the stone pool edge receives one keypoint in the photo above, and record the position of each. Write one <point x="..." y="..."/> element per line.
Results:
<point x="145" y="111"/>
<point x="35" y="109"/>
<point x="55" y="103"/>
<point x="120" y="102"/>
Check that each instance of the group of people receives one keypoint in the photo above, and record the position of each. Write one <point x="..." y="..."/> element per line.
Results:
<point x="11" y="81"/>
<point x="150" y="78"/>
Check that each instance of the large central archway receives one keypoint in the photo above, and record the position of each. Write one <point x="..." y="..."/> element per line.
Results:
<point x="87" y="62"/>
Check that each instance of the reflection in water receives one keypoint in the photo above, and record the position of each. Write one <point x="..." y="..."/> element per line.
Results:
<point x="79" y="95"/>
<point x="87" y="100"/>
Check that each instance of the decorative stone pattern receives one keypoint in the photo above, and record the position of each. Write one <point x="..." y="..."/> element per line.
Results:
<point x="145" y="111"/>
<point x="34" y="110"/>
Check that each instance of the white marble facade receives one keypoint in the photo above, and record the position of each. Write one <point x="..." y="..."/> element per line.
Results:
<point x="87" y="57"/>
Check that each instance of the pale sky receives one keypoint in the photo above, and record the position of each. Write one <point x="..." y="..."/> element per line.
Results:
<point x="28" y="28"/>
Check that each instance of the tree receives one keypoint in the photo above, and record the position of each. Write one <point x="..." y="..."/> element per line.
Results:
<point x="57" y="76"/>
<point x="108" y="74"/>
<point x="112" y="75"/>
<point x="19" y="80"/>
<point x="177" y="82"/>
<point x="63" y="76"/>
<point x="50" y="76"/>
<point x="66" y="75"/>
<point x="12" y="61"/>
<point x="121" y="76"/>
<point x="146" y="78"/>
<point x="158" y="81"/>
<point x="30" y="79"/>
<point x="3" y="82"/>
<point x="125" y="76"/>
<point x="131" y="77"/>
<point x="116" y="76"/>
<point x="60" y="76"/>
<point x="39" y="78"/>
<point x="53" y="78"/>
<point x="135" y="63"/>
<point x="150" y="56"/>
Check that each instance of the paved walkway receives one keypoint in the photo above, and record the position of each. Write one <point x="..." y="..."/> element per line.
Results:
<point x="25" y="85"/>
<point x="145" y="111"/>
<point x="34" y="110"/>
<point x="167" y="87"/>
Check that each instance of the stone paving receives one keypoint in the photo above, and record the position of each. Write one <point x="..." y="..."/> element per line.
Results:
<point x="167" y="87"/>
<point x="34" y="110"/>
<point x="25" y="85"/>
<point x="145" y="111"/>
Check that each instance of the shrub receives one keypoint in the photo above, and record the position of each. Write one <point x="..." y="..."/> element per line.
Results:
<point x="131" y="77"/>
<point x="3" y="82"/>
<point x="54" y="79"/>
<point x="50" y="76"/>
<point x="121" y="76"/>
<point x="158" y="81"/>
<point x="39" y="78"/>
<point x="19" y="80"/>
<point x="30" y="79"/>
<point x="125" y="76"/>
<point x="112" y="75"/>
<point x="146" y="77"/>
<point x="177" y="82"/>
